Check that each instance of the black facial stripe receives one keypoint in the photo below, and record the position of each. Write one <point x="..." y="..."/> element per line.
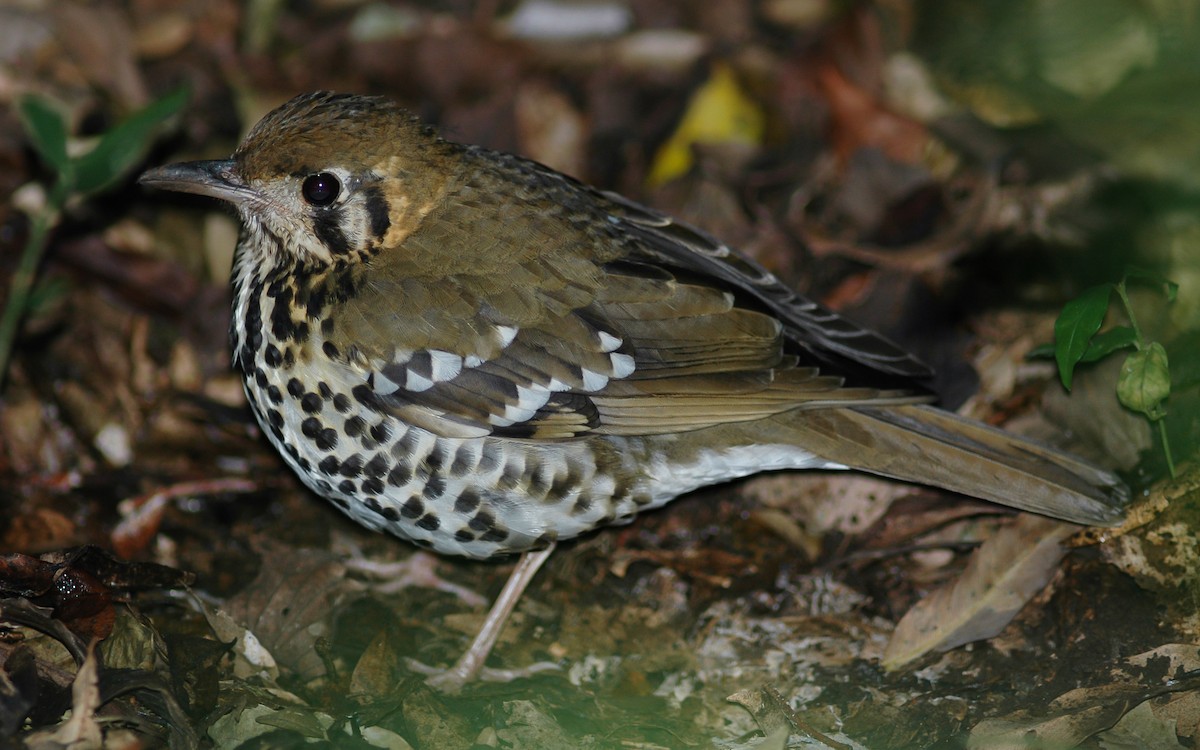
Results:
<point x="328" y="227"/>
<point x="377" y="210"/>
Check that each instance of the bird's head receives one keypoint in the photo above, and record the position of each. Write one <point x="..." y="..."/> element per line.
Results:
<point x="324" y="178"/>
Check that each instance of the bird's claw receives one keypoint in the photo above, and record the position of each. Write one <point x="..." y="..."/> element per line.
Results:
<point x="451" y="680"/>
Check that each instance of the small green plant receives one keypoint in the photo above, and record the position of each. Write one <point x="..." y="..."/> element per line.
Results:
<point x="1145" y="380"/>
<point x="75" y="177"/>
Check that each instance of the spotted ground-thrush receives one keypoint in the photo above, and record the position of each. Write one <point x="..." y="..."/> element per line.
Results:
<point x="481" y="355"/>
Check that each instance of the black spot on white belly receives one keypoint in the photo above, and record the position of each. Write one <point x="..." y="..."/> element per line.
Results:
<point x="400" y="474"/>
<point x="429" y="522"/>
<point x="311" y="402"/>
<point x="412" y="508"/>
<point x="495" y="534"/>
<point x="381" y="432"/>
<point x="435" y="487"/>
<point x="467" y="502"/>
<point x="377" y="466"/>
<point x="490" y="458"/>
<point x="466" y="458"/>
<point x="352" y="466"/>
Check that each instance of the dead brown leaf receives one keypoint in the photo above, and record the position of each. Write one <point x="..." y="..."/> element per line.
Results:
<point x="1002" y="575"/>
<point x="290" y="604"/>
<point x="1169" y="671"/>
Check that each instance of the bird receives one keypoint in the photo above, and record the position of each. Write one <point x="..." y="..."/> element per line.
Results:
<point x="483" y="356"/>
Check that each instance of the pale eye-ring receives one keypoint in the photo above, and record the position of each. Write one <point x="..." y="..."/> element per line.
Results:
<point x="321" y="189"/>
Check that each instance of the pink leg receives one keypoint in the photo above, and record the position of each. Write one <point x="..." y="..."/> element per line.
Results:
<point x="470" y="664"/>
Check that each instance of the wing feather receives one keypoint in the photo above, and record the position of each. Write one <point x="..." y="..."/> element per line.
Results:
<point x="654" y="327"/>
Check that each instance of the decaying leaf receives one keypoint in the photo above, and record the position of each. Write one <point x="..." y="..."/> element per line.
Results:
<point x="290" y="603"/>
<point x="1003" y="574"/>
<point x="80" y="731"/>
<point x="1167" y="673"/>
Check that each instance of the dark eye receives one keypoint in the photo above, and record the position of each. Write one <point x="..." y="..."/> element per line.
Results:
<point x="321" y="189"/>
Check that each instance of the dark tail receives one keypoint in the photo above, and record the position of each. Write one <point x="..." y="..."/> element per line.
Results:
<point x="926" y="445"/>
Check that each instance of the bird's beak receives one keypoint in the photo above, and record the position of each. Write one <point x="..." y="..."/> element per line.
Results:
<point x="217" y="179"/>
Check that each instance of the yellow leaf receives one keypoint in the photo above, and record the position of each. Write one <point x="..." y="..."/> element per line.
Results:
<point x="719" y="112"/>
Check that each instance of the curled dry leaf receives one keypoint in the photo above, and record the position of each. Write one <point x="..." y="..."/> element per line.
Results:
<point x="80" y="731"/>
<point x="1003" y="574"/>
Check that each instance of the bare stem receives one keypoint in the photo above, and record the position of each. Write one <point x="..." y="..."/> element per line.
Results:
<point x="21" y="286"/>
<point x="1162" y="434"/>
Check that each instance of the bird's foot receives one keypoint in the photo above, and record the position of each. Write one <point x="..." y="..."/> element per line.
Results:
<point x="451" y="681"/>
<point x="470" y="665"/>
<point x="418" y="570"/>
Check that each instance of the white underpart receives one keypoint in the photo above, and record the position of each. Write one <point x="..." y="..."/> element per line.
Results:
<point x="528" y="519"/>
<point x="713" y="465"/>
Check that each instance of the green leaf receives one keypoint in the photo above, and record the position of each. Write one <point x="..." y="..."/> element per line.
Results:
<point x="1101" y="345"/>
<point x="1107" y="342"/>
<point x="120" y="148"/>
<point x="47" y="129"/>
<point x="1145" y="381"/>
<point x="1041" y="351"/>
<point x="1170" y="288"/>
<point x="1076" y="325"/>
